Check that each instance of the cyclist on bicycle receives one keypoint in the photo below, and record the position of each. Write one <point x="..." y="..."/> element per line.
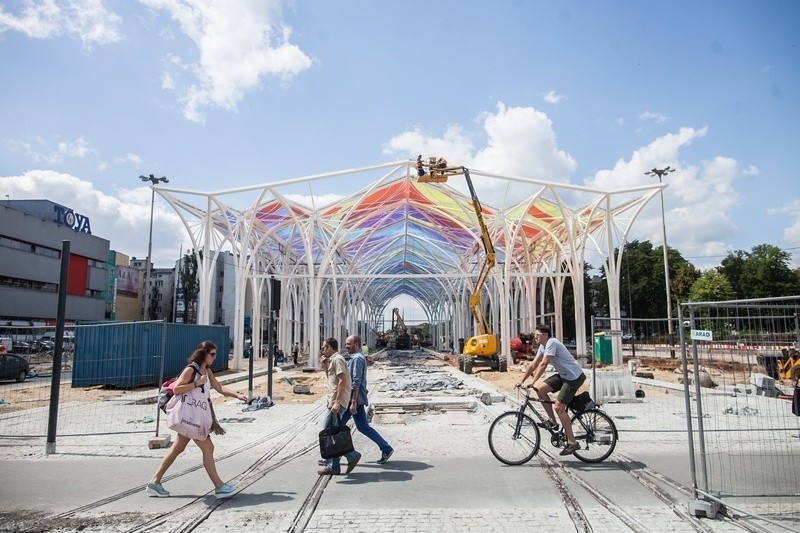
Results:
<point x="566" y="381"/>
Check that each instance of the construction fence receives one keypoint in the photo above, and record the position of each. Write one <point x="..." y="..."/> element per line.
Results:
<point x="720" y="382"/>
<point x="740" y="365"/>
<point x="103" y="381"/>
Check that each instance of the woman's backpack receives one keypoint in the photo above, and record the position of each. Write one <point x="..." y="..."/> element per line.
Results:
<point x="167" y="390"/>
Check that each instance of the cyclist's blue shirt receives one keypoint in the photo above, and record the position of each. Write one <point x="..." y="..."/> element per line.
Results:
<point x="566" y="365"/>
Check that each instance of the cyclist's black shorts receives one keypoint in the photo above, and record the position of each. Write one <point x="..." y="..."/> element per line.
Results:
<point x="566" y="388"/>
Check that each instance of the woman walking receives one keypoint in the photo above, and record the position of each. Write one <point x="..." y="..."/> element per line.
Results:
<point x="196" y="380"/>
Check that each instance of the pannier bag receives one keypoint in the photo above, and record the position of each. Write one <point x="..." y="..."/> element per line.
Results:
<point x="582" y="402"/>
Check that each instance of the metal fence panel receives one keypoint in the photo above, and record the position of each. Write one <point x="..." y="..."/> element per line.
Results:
<point x="744" y="439"/>
<point x="116" y="363"/>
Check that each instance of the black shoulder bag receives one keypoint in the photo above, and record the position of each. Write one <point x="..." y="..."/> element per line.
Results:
<point x="335" y="441"/>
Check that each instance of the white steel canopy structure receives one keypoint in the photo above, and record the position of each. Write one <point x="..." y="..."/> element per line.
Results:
<point x="342" y="261"/>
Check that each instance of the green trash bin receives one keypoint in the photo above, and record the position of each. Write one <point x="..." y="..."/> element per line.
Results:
<point x="602" y="349"/>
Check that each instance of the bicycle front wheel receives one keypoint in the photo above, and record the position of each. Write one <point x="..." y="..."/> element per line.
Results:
<point x="596" y="433"/>
<point x="514" y="438"/>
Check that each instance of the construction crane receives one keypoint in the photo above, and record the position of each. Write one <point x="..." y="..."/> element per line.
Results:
<point x="481" y="350"/>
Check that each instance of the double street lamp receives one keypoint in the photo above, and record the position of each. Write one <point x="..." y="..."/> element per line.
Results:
<point x="154" y="180"/>
<point x="660" y="172"/>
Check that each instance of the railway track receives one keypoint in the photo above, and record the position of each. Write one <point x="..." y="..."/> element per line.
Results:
<point x="589" y="506"/>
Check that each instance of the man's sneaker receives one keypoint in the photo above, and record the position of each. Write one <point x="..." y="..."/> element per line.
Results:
<point x="155" y="489"/>
<point x="328" y="471"/>
<point x="225" y="491"/>
<point x="352" y="464"/>
<point x="550" y="425"/>
<point x="385" y="456"/>
<point x="569" y="449"/>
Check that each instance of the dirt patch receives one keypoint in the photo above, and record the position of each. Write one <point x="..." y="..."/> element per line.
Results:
<point x="37" y="393"/>
<point x="283" y="386"/>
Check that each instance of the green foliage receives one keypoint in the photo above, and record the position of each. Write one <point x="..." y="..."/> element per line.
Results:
<point x="766" y="273"/>
<point x="712" y="286"/>
<point x="763" y="272"/>
<point x="642" y="290"/>
<point x="188" y="279"/>
<point x="153" y="307"/>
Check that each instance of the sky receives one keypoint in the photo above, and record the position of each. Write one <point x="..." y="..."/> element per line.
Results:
<point x="224" y="94"/>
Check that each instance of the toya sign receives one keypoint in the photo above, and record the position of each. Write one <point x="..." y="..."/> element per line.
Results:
<point x="71" y="219"/>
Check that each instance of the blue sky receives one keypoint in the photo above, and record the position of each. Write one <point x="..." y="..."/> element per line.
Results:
<point x="224" y="94"/>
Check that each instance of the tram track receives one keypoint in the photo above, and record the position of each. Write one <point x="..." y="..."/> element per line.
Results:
<point x="198" y="510"/>
<point x="648" y="478"/>
<point x="588" y="507"/>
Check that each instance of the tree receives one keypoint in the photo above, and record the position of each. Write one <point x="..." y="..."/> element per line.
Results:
<point x="711" y="286"/>
<point x="189" y="283"/>
<point x="568" y="308"/>
<point x="766" y="273"/>
<point x="153" y="307"/>
<point x="732" y="267"/>
<point x="642" y="277"/>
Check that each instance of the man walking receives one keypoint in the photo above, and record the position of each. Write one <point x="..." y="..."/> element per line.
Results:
<point x="358" y="399"/>
<point x="339" y="386"/>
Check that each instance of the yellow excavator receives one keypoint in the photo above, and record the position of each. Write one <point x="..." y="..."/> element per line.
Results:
<point x="481" y="350"/>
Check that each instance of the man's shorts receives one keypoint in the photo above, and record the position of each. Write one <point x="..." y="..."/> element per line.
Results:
<point x="566" y="388"/>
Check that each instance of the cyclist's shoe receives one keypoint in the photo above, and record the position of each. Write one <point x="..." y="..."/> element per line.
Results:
<point x="549" y="425"/>
<point x="569" y="449"/>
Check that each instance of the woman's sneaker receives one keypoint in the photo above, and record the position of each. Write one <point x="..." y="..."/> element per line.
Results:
<point x="225" y="491"/>
<point x="155" y="489"/>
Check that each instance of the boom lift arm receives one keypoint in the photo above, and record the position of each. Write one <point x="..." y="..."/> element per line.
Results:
<point x="439" y="174"/>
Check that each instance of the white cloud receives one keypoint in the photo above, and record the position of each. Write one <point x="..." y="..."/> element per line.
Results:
<point x="453" y="145"/>
<point x="751" y="170"/>
<point x="791" y="233"/>
<point x="521" y="142"/>
<point x="239" y="44"/>
<point x="167" y="83"/>
<point x="80" y="148"/>
<point x="128" y="158"/>
<point x="553" y="97"/>
<point x="653" y="117"/>
<point x="699" y="199"/>
<point x="88" y="20"/>
<point x="123" y="220"/>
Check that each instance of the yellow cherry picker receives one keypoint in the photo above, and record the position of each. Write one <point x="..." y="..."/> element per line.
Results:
<point x="482" y="349"/>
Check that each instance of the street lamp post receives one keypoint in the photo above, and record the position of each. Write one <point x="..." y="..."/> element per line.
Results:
<point x="660" y="173"/>
<point x="154" y="180"/>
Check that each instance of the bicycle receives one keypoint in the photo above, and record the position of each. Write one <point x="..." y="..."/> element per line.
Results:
<point x="514" y="437"/>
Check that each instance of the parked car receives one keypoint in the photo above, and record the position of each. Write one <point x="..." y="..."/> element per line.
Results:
<point x="44" y="346"/>
<point x="13" y="366"/>
<point x="21" y="347"/>
<point x="628" y="337"/>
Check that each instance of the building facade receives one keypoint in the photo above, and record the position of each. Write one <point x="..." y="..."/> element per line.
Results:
<point x="31" y="239"/>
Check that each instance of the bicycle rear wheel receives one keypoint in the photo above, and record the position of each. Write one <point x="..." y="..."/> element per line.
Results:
<point x="596" y="433"/>
<point x="514" y="438"/>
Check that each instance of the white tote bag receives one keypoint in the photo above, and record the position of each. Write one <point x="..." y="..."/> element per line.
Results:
<point x="190" y="414"/>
